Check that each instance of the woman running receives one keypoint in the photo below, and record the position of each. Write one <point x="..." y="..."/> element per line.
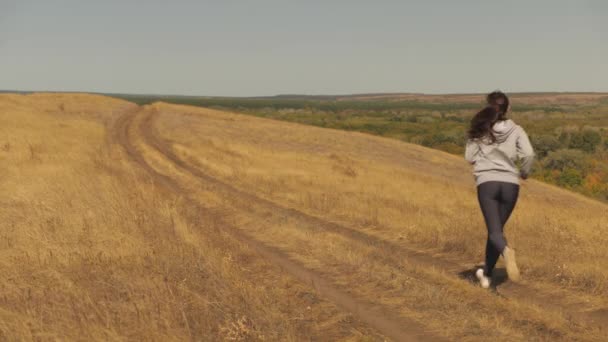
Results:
<point x="495" y="144"/>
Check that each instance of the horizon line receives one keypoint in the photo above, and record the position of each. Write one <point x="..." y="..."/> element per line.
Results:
<point x="536" y="92"/>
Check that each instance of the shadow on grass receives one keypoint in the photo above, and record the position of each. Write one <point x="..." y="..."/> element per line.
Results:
<point x="499" y="276"/>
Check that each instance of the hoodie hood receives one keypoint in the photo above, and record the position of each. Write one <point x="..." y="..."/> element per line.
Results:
<point x="497" y="161"/>
<point x="503" y="129"/>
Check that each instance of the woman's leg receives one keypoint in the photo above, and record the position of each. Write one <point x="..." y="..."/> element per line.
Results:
<point x="492" y="256"/>
<point x="508" y="197"/>
<point x="488" y="195"/>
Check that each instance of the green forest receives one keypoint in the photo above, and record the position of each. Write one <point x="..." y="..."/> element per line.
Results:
<point x="571" y="140"/>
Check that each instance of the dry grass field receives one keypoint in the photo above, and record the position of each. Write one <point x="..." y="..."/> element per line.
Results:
<point x="167" y="222"/>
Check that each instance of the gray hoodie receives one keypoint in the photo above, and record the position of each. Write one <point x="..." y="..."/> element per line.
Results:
<point x="496" y="161"/>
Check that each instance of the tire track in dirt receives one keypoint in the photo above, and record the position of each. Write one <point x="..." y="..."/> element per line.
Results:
<point x="394" y="252"/>
<point x="387" y="323"/>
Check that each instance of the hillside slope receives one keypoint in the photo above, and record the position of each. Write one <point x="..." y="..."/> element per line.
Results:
<point x="174" y="222"/>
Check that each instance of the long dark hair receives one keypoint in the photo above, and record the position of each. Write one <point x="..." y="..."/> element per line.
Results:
<point x="483" y="122"/>
<point x="500" y="101"/>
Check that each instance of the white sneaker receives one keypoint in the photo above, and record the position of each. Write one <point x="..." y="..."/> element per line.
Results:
<point x="483" y="280"/>
<point x="509" y="255"/>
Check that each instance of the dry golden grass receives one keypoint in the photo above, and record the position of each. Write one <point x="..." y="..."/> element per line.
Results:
<point x="412" y="197"/>
<point x="174" y="223"/>
<point x="394" y="189"/>
<point x="92" y="249"/>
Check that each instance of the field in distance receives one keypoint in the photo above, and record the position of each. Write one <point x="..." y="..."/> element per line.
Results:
<point x="568" y="130"/>
<point x="171" y="222"/>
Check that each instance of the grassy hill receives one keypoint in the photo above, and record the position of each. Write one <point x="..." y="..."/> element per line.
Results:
<point x="569" y="130"/>
<point x="172" y="222"/>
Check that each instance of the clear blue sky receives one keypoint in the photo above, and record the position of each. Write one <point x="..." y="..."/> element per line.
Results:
<point x="267" y="47"/>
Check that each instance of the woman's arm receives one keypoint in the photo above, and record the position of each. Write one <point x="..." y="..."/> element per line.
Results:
<point x="525" y="153"/>
<point x="471" y="151"/>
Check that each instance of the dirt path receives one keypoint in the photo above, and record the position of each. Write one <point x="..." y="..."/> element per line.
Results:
<point x="386" y="322"/>
<point x="555" y="299"/>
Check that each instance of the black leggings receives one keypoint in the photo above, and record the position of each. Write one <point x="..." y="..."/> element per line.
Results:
<point x="497" y="200"/>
